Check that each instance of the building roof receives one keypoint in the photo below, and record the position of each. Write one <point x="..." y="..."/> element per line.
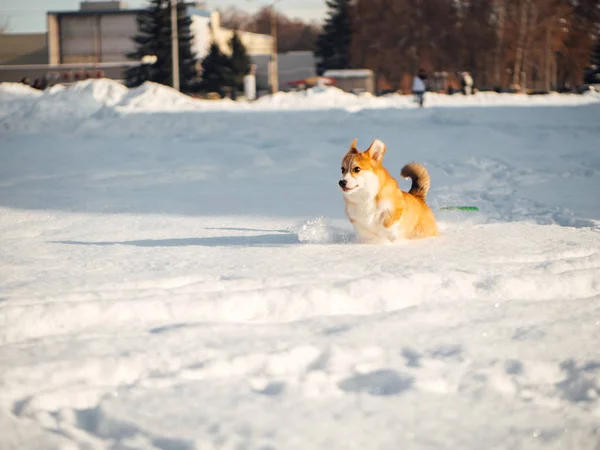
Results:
<point x="86" y="12"/>
<point x="198" y="12"/>
<point x="348" y="73"/>
<point x="94" y="12"/>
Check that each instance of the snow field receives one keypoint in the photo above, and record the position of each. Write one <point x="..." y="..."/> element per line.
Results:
<point x="177" y="277"/>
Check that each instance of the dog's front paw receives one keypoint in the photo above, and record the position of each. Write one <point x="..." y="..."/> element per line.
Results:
<point x="388" y="221"/>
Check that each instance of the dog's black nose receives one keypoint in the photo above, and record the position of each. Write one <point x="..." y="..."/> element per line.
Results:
<point x="343" y="183"/>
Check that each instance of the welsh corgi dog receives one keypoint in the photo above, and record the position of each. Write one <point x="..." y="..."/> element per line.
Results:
<point x="377" y="208"/>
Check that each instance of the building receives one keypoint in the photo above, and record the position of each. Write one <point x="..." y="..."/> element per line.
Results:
<point x="353" y="80"/>
<point x="206" y="32"/>
<point x="23" y="55"/>
<point x="206" y="28"/>
<point x="292" y="66"/>
<point x="25" y="48"/>
<point x="100" y="32"/>
<point x="97" y="37"/>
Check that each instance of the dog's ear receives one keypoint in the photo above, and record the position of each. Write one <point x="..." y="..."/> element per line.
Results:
<point x="376" y="151"/>
<point x="353" y="148"/>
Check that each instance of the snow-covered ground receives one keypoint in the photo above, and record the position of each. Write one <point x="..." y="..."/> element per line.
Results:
<point x="178" y="274"/>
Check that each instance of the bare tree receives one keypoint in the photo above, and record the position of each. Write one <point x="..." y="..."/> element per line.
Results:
<point x="533" y="43"/>
<point x="292" y="34"/>
<point x="477" y="36"/>
<point x="543" y="39"/>
<point x="235" y="19"/>
<point x="405" y="35"/>
<point x="580" y="31"/>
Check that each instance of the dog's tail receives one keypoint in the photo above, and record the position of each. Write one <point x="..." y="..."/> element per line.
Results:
<point x="420" y="179"/>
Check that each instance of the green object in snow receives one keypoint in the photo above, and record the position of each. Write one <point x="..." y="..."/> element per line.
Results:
<point x="460" y="208"/>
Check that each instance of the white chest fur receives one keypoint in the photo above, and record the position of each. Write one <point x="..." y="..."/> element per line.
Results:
<point x="367" y="214"/>
<point x="367" y="219"/>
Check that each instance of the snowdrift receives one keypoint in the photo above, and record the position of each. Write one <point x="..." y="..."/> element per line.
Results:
<point x="21" y="105"/>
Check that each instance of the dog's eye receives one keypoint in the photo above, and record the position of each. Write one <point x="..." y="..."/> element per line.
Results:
<point x="343" y="170"/>
<point x="356" y="169"/>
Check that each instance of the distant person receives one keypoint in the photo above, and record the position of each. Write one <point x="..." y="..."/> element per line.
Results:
<point x="37" y="84"/>
<point x="419" y="87"/>
<point x="26" y="80"/>
<point x="466" y="83"/>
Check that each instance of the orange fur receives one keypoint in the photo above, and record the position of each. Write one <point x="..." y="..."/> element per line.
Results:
<point x="377" y="208"/>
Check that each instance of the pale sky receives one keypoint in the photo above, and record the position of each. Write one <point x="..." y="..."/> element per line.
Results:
<point x="29" y="16"/>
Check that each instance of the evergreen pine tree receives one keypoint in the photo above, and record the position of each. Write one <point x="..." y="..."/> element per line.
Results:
<point x="596" y="54"/>
<point x="592" y="73"/>
<point x="216" y="70"/>
<point x="154" y="38"/>
<point x="239" y="62"/>
<point x="333" y="44"/>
